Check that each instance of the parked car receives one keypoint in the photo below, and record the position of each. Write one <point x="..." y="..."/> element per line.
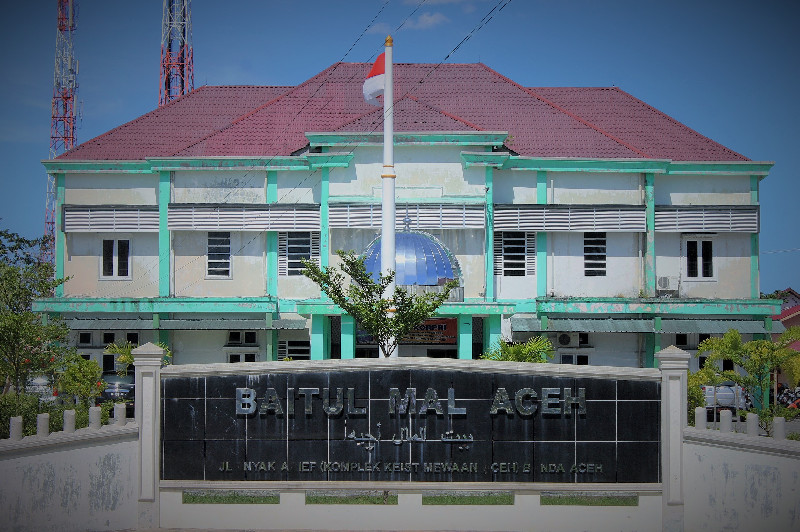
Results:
<point x="41" y="387"/>
<point x="727" y="396"/>
<point x="119" y="388"/>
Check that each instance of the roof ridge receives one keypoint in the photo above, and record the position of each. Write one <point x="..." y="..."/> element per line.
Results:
<point x="450" y="115"/>
<point x="134" y="120"/>
<point x="257" y="109"/>
<point x="568" y="113"/>
<point x="679" y="123"/>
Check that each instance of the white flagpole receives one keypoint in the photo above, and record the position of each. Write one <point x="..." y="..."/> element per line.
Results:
<point x="388" y="261"/>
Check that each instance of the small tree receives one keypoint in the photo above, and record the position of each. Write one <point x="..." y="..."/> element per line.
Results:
<point x="537" y="349"/>
<point x="124" y="356"/>
<point x="363" y="299"/>
<point x="758" y="358"/>
<point x="80" y="378"/>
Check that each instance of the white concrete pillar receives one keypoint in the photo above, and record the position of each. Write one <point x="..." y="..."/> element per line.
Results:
<point x="147" y="361"/>
<point x="779" y="428"/>
<point x="69" y="421"/>
<point x="674" y="365"/>
<point x="43" y="425"/>
<point x="700" y="421"/>
<point x="752" y="424"/>
<point x="95" y="419"/>
<point x="120" y="414"/>
<point x="725" y="421"/>
<point x="15" y="428"/>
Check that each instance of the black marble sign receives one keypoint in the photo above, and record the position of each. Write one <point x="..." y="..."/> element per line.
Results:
<point x="411" y="425"/>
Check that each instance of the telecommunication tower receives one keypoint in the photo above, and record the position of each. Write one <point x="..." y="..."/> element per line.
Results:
<point x="62" y="125"/>
<point x="177" y="70"/>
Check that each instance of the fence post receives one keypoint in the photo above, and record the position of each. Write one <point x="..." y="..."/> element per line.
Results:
<point x="147" y="361"/>
<point x="674" y="365"/>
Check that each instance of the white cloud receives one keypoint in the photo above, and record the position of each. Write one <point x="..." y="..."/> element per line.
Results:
<point x="379" y="28"/>
<point x="427" y="21"/>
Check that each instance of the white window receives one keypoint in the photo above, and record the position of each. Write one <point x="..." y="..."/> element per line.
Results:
<point x="242" y="357"/>
<point x="294" y="349"/>
<point x="580" y="360"/>
<point x="116" y="259"/>
<point x="242" y="338"/>
<point x="699" y="258"/>
<point x="85" y="338"/>
<point x="219" y="254"/>
<point x="514" y="253"/>
<point x="295" y="246"/>
<point x="594" y="254"/>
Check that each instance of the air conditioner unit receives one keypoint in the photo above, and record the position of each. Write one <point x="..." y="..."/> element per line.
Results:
<point x="567" y="340"/>
<point x="667" y="285"/>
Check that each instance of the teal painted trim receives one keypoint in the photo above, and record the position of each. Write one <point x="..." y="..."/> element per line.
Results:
<point x="754" y="266"/>
<point x="60" y="244"/>
<point x="753" y="190"/>
<point x="650" y="236"/>
<point x="489" y="159"/>
<point x="320" y="306"/>
<point x="465" y="337"/>
<point x="282" y="162"/>
<point x="768" y="324"/>
<point x="89" y="167"/>
<point x="489" y="240"/>
<point x="164" y="255"/>
<point x="348" y="337"/>
<point x="468" y="138"/>
<point x="758" y="168"/>
<point x="154" y="305"/>
<point x="650" y="350"/>
<point x="272" y="186"/>
<point x="600" y="305"/>
<point x="329" y="160"/>
<point x="491" y="331"/>
<point x="541" y="187"/>
<point x="162" y="336"/>
<point x="272" y="352"/>
<point x="272" y="263"/>
<point x="320" y="337"/>
<point x="324" y="226"/>
<point x="541" y="264"/>
<point x="444" y="200"/>
<point x="586" y="165"/>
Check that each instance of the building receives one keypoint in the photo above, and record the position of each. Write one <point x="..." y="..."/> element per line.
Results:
<point x="581" y="213"/>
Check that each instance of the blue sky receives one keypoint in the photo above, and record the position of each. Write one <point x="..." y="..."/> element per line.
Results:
<point x="727" y="68"/>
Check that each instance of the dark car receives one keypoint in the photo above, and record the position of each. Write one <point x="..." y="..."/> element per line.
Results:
<point x="119" y="388"/>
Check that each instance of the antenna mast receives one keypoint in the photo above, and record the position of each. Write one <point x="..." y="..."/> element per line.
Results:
<point x="177" y="70"/>
<point x="62" y="125"/>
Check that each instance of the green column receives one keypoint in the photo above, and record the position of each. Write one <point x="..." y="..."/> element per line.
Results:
<point x="489" y="251"/>
<point x="163" y="234"/>
<point x="272" y="352"/>
<point x="541" y="238"/>
<point x="60" y="241"/>
<point x="754" y="245"/>
<point x="320" y="337"/>
<point x="348" y="337"/>
<point x="465" y="336"/>
<point x="324" y="231"/>
<point x="272" y="243"/>
<point x="162" y="336"/>
<point x="650" y="239"/>
<point x="491" y="331"/>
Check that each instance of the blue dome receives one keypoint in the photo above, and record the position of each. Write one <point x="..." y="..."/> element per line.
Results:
<point x="420" y="259"/>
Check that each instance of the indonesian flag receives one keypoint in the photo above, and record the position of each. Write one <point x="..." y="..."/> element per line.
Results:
<point x="374" y="84"/>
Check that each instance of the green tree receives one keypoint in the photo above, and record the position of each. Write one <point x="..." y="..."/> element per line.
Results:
<point x="80" y="378"/>
<point x="537" y="349"/>
<point x="758" y="358"/>
<point x="363" y="299"/>
<point x="124" y="356"/>
<point x="29" y="344"/>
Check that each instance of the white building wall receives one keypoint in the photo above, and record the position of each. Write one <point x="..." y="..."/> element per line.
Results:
<point x="514" y="186"/>
<point x="299" y="186"/>
<point x="731" y="265"/>
<point x="623" y="266"/>
<point x="220" y="186"/>
<point x="675" y="189"/>
<point x="248" y="266"/>
<point x="84" y="260"/>
<point x="511" y="287"/>
<point x="595" y="188"/>
<point x="111" y="189"/>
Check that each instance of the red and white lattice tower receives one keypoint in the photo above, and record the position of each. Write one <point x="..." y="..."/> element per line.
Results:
<point x="177" y="71"/>
<point x="62" y="125"/>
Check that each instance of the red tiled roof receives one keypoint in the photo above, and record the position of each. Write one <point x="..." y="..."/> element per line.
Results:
<point x="787" y="313"/>
<point x="267" y="121"/>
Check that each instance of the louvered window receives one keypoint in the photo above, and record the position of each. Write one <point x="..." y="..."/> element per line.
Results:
<point x="514" y="253"/>
<point x="293" y="248"/>
<point x="294" y="349"/>
<point x="116" y="259"/>
<point x="594" y="254"/>
<point x="219" y="254"/>
<point x="699" y="258"/>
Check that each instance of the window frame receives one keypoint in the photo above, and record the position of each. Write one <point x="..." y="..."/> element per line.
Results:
<point x="700" y="240"/>
<point x="293" y="351"/>
<point x="595" y="264"/>
<point x="288" y="260"/>
<point x="218" y="235"/>
<point x="115" y="261"/>
<point x="513" y="262"/>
